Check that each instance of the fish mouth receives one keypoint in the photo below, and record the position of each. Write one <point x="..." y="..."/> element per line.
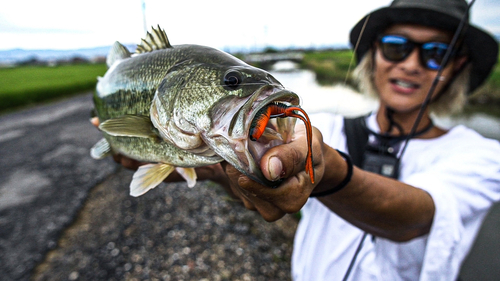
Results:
<point x="277" y="131"/>
<point x="232" y="120"/>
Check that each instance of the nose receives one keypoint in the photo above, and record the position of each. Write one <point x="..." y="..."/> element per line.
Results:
<point x="411" y="64"/>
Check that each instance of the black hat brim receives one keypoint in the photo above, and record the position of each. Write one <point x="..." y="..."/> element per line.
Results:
<point x="482" y="47"/>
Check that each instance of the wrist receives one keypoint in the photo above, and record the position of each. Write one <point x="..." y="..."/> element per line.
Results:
<point x="335" y="185"/>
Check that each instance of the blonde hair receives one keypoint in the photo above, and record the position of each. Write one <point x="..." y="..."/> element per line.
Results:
<point x="451" y="101"/>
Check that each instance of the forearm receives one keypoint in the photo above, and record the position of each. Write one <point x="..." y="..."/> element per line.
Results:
<point x="379" y="205"/>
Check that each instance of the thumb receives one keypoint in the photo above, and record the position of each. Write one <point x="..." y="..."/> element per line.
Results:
<point x="285" y="160"/>
<point x="274" y="169"/>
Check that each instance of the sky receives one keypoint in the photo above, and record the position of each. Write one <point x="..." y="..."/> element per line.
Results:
<point x="67" y="25"/>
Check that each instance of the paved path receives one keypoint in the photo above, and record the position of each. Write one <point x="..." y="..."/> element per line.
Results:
<point x="46" y="173"/>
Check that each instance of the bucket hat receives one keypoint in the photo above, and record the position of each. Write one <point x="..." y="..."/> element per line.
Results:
<point x="441" y="14"/>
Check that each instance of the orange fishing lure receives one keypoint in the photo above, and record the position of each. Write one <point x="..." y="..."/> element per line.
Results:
<point x="279" y="110"/>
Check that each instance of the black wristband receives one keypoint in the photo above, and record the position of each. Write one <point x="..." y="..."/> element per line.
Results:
<point x="341" y="185"/>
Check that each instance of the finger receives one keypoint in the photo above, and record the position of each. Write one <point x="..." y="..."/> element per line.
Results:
<point x="233" y="174"/>
<point x="95" y="121"/>
<point x="213" y="172"/>
<point x="117" y="158"/>
<point x="266" y="209"/>
<point x="250" y="200"/>
<point x="289" y="159"/>
<point x="289" y="197"/>
<point x="127" y="162"/>
<point x="269" y="212"/>
<point x="244" y="198"/>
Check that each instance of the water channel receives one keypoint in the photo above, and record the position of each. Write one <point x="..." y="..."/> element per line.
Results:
<point x="345" y="101"/>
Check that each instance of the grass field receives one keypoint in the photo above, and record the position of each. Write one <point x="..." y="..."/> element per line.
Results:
<point x="33" y="84"/>
<point x="329" y="66"/>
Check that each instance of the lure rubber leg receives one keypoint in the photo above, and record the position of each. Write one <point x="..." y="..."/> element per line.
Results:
<point x="290" y="112"/>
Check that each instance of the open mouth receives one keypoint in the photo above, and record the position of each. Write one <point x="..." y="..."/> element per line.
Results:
<point x="258" y="123"/>
<point x="266" y="132"/>
<point x="272" y="124"/>
<point x="404" y="84"/>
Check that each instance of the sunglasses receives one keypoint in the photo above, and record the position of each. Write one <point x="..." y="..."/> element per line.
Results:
<point x="396" y="48"/>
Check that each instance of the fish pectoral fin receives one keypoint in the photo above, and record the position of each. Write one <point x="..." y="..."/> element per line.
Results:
<point x="101" y="149"/>
<point x="148" y="177"/>
<point x="189" y="174"/>
<point x="129" y="126"/>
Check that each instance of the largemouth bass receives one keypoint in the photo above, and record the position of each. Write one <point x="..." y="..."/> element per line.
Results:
<point x="186" y="106"/>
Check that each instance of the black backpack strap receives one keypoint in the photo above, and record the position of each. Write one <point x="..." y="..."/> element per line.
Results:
<point x="356" y="138"/>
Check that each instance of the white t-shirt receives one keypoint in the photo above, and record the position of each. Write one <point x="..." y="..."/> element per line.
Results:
<point x="460" y="170"/>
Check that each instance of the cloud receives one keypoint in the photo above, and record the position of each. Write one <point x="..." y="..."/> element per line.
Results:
<point x="59" y="24"/>
<point x="485" y="14"/>
<point x="65" y="24"/>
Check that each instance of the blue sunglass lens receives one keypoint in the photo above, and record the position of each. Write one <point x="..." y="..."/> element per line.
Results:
<point x="395" y="48"/>
<point x="432" y="64"/>
<point x="433" y="54"/>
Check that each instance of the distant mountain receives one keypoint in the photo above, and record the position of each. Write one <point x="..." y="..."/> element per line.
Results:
<point x="16" y="56"/>
<point x="20" y="55"/>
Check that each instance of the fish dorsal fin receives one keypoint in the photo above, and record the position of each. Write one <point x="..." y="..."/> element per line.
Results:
<point x="117" y="52"/>
<point x="129" y="126"/>
<point x="156" y="40"/>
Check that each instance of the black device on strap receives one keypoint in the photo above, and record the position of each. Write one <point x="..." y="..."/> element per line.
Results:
<point x="356" y="138"/>
<point x="381" y="156"/>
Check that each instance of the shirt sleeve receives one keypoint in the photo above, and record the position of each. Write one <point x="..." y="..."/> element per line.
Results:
<point x="463" y="184"/>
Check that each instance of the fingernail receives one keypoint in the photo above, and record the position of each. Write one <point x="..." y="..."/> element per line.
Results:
<point x="275" y="168"/>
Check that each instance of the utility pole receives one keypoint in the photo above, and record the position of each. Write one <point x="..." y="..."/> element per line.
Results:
<point x="144" y="16"/>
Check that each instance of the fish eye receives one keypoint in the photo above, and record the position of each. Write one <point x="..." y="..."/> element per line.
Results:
<point x="232" y="80"/>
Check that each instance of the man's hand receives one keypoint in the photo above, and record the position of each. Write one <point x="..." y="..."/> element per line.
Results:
<point x="285" y="162"/>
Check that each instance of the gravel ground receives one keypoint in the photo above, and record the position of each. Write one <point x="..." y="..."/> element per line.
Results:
<point x="170" y="233"/>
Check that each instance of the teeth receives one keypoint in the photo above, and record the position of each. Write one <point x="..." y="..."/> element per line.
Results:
<point x="405" y="84"/>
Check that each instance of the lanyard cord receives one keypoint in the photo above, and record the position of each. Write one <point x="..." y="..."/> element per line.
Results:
<point x="392" y="140"/>
<point x="389" y="113"/>
<point x="351" y="264"/>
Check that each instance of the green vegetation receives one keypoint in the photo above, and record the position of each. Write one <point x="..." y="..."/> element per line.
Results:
<point x="33" y="84"/>
<point x="489" y="92"/>
<point x="330" y="66"/>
